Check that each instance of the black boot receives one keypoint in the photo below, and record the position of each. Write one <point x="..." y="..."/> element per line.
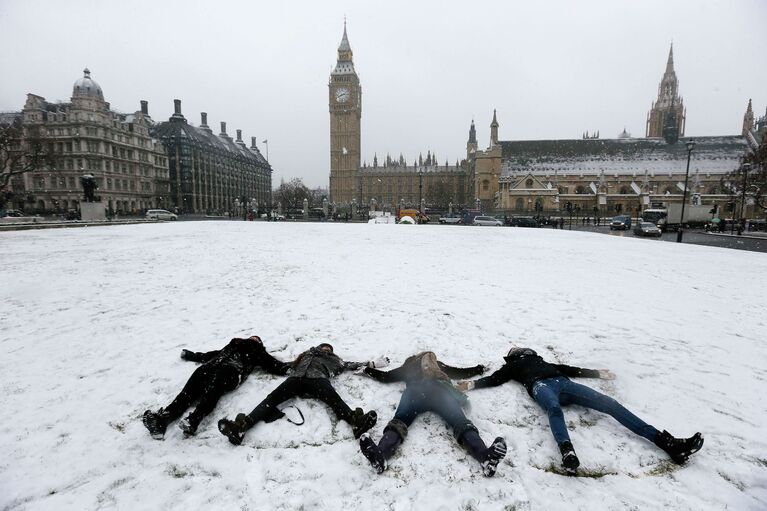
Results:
<point x="156" y="423"/>
<point x="569" y="459"/>
<point x="362" y="422"/>
<point x="189" y="424"/>
<point x="679" y="449"/>
<point x="373" y="454"/>
<point x="493" y="456"/>
<point x="235" y="430"/>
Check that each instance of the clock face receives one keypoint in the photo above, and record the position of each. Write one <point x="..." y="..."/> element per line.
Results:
<point x="342" y="95"/>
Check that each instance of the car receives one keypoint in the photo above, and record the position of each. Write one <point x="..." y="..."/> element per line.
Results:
<point x="524" y="221"/>
<point x="278" y="216"/>
<point x="486" y="220"/>
<point x="12" y="213"/>
<point x="646" y="229"/>
<point x="451" y="219"/>
<point x="620" y="222"/>
<point x="160" y="214"/>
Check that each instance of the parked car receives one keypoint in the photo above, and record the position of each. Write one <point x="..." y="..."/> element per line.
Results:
<point x="451" y="219"/>
<point x="646" y="229"/>
<point x="486" y="220"/>
<point x="524" y="221"/>
<point x="621" y="222"/>
<point x="160" y="214"/>
<point x="12" y="213"/>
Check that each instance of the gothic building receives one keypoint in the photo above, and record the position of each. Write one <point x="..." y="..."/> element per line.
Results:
<point x="87" y="136"/>
<point x="212" y="173"/>
<point x="667" y="115"/>
<point x="609" y="176"/>
<point x="393" y="183"/>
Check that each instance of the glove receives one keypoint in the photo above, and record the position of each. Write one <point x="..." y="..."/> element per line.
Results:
<point x="606" y="374"/>
<point x="481" y="369"/>
<point x="465" y="385"/>
<point x="187" y="355"/>
<point x="379" y="362"/>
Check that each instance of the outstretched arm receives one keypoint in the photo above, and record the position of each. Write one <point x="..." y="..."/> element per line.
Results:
<point x="198" y="356"/>
<point x="461" y="372"/>
<point x="499" y="377"/>
<point x="379" y="362"/>
<point x="386" y="376"/>
<point x="274" y="366"/>
<point x="580" y="372"/>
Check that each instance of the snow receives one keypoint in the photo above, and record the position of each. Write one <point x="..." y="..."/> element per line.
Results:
<point x="93" y="321"/>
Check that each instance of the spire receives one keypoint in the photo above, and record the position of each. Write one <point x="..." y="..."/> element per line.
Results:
<point x="344" y="46"/>
<point x="494" y="130"/>
<point x="493" y="124"/>
<point x="472" y="133"/>
<point x="748" y="120"/>
<point x="670" y="63"/>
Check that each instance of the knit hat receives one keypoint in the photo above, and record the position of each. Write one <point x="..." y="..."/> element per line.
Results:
<point x="325" y="347"/>
<point x="521" y="352"/>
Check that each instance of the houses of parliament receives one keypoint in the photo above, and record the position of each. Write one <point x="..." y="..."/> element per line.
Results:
<point x="589" y="174"/>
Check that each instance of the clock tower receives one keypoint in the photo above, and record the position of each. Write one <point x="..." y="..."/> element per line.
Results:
<point x="345" y="102"/>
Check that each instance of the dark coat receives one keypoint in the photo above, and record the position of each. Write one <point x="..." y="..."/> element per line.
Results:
<point x="528" y="369"/>
<point x="243" y="355"/>
<point x="317" y="363"/>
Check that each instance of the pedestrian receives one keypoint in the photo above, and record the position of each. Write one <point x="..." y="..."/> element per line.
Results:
<point x="221" y="371"/>
<point x="549" y="385"/>
<point x="429" y="388"/>
<point x="309" y="376"/>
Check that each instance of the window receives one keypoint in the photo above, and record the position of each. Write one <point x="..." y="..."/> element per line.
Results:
<point x="485" y="185"/>
<point x="529" y="183"/>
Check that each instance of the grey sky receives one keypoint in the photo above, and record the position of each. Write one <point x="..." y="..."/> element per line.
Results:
<point x="553" y="69"/>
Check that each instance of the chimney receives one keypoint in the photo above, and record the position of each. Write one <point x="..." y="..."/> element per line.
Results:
<point x="204" y="119"/>
<point x="145" y="107"/>
<point x="239" y="135"/>
<point x="177" y="106"/>
<point x="223" y="128"/>
<point x="253" y="142"/>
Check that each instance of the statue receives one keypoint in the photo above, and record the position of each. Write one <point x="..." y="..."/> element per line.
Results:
<point x="89" y="187"/>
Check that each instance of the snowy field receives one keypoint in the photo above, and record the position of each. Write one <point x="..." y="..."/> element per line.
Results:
<point x="93" y="320"/>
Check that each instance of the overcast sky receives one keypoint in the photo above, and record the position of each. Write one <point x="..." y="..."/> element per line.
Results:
<point x="552" y="69"/>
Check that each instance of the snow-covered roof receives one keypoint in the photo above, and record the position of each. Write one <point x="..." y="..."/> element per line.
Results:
<point x="621" y="156"/>
<point x="404" y="169"/>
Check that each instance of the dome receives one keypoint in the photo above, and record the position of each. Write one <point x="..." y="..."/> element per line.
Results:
<point x="87" y="87"/>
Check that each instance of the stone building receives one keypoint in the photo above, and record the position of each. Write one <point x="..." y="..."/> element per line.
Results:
<point x="88" y="137"/>
<point x="606" y="177"/>
<point x="212" y="173"/>
<point x="393" y="183"/>
<point x="667" y="111"/>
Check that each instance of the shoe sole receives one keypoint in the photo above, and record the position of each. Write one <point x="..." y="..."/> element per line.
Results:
<point x="226" y="429"/>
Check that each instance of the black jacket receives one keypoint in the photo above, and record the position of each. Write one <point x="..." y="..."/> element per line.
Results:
<point x="529" y="369"/>
<point x="244" y="355"/>
<point x="316" y="363"/>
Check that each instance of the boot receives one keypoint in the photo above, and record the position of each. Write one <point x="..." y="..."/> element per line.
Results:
<point x="156" y="423"/>
<point x="235" y="430"/>
<point x="679" y="449"/>
<point x="569" y="459"/>
<point x="189" y="424"/>
<point x="362" y="422"/>
<point x="493" y="456"/>
<point x="373" y="454"/>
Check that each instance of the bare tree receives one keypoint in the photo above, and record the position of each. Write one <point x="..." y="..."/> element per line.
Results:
<point x="752" y="174"/>
<point x="21" y="152"/>
<point x="440" y="195"/>
<point x="292" y="194"/>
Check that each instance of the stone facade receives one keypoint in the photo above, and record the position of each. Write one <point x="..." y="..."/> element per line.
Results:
<point x="88" y="137"/>
<point x="667" y="111"/>
<point x="212" y="173"/>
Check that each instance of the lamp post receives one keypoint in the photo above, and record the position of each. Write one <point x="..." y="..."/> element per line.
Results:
<point x="690" y="146"/>
<point x="420" y="189"/>
<point x="746" y="168"/>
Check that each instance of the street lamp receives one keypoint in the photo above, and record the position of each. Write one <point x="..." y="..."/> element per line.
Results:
<point x="690" y="146"/>
<point x="420" y="189"/>
<point x="746" y="168"/>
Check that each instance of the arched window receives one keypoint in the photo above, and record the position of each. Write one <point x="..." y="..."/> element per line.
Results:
<point x="624" y="190"/>
<point x="485" y="185"/>
<point x="580" y="189"/>
<point x="519" y="205"/>
<point x="529" y="183"/>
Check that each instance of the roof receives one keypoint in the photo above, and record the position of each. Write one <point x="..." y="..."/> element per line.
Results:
<point x="621" y="156"/>
<point x="402" y="169"/>
<point x="205" y="138"/>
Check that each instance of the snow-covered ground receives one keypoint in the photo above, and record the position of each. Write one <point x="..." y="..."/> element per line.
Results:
<point x="93" y="320"/>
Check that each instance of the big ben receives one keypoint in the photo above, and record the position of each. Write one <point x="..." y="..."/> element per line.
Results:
<point x="345" y="102"/>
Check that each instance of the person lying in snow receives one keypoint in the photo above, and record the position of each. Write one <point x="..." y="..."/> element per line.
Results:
<point x="222" y="371"/>
<point x="310" y="377"/>
<point x="549" y="385"/>
<point x="428" y="388"/>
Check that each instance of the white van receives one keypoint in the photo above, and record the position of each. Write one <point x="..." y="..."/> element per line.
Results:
<point x="160" y="214"/>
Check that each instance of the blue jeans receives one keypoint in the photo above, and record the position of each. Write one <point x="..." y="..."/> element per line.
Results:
<point x="433" y="396"/>
<point x="553" y="393"/>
